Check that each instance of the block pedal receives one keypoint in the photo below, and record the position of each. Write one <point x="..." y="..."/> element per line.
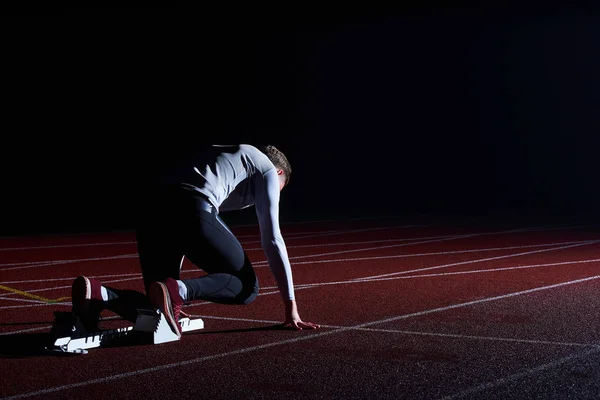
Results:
<point x="69" y="336"/>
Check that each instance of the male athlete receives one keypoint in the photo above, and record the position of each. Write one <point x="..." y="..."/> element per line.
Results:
<point x="181" y="219"/>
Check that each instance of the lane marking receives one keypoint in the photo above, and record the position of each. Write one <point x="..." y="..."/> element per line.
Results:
<point x="69" y="278"/>
<point x="300" y="235"/>
<point x="34" y="264"/>
<point x="34" y="305"/>
<point x="481" y="260"/>
<point x="288" y="238"/>
<point x="304" y="222"/>
<point x="292" y="235"/>
<point x="324" y="244"/>
<point x="32" y="296"/>
<point x="309" y="336"/>
<point x="372" y="278"/>
<point x="394" y="275"/>
<point x="31" y="264"/>
<point x="416" y="333"/>
<point x="22" y="300"/>
<point x="477" y="271"/>
<point x="3" y="296"/>
<point x="60" y="246"/>
<point x="349" y="259"/>
<point x="405" y="244"/>
<point x="521" y="375"/>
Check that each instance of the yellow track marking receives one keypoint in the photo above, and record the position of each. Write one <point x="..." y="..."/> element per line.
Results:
<point x="32" y="296"/>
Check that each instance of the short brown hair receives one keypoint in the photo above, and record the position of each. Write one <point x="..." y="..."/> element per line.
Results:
<point x="278" y="159"/>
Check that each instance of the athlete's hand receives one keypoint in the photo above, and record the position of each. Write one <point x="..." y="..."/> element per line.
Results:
<point x="293" y="320"/>
<point x="298" y="324"/>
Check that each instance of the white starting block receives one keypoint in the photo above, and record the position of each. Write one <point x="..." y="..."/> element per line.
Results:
<point x="69" y="335"/>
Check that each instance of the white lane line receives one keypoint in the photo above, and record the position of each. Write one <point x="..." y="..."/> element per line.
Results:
<point x="135" y="255"/>
<point x="44" y="263"/>
<point x="372" y="278"/>
<point x="359" y="219"/>
<point x="395" y="275"/>
<point x="438" y="253"/>
<point x="479" y="260"/>
<point x="34" y="264"/>
<point x="395" y="256"/>
<point x="341" y="260"/>
<point x="43" y="328"/>
<point x="417" y="333"/>
<point x="257" y="233"/>
<point x="408" y="244"/>
<point x="22" y="300"/>
<point x="35" y="305"/>
<point x="290" y="223"/>
<point x="5" y="295"/>
<point x="69" y="278"/>
<point x="479" y="301"/>
<point x="485" y="338"/>
<point x="130" y="277"/>
<point x="597" y="260"/>
<point x="328" y="244"/>
<point x="292" y="234"/>
<point x="296" y="339"/>
<point x="523" y="374"/>
<point x="288" y="235"/>
<point x="289" y="238"/>
<point x="371" y="248"/>
<point x="477" y="271"/>
<point x="362" y="279"/>
<point x="60" y="246"/>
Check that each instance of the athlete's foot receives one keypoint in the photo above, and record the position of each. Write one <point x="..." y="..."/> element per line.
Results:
<point x="86" y="300"/>
<point x="165" y="296"/>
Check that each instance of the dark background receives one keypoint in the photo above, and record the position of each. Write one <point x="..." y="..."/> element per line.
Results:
<point x="450" y="112"/>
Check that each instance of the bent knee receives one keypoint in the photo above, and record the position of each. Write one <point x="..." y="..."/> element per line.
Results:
<point x="250" y="294"/>
<point x="251" y="297"/>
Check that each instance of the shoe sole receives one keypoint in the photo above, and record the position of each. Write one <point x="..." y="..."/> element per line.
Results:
<point x="83" y="304"/>
<point x="159" y="295"/>
<point x="82" y="291"/>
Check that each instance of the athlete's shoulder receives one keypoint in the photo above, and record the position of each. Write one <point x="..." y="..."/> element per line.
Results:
<point x="244" y="149"/>
<point x="250" y="149"/>
<point x="258" y="156"/>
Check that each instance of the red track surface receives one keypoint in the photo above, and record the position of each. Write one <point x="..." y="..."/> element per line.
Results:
<point x="445" y="311"/>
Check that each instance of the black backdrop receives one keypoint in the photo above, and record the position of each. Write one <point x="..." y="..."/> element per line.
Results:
<point x="411" y="110"/>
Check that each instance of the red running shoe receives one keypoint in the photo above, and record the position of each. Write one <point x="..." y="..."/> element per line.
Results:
<point x="86" y="299"/>
<point x="165" y="296"/>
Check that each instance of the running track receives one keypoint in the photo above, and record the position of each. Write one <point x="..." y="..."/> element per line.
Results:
<point x="425" y="310"/>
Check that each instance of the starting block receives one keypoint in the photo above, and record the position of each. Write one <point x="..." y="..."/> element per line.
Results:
<point x="69" y="335"/>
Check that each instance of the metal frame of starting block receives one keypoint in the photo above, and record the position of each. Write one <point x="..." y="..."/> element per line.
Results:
<point x="70" y="336"/>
